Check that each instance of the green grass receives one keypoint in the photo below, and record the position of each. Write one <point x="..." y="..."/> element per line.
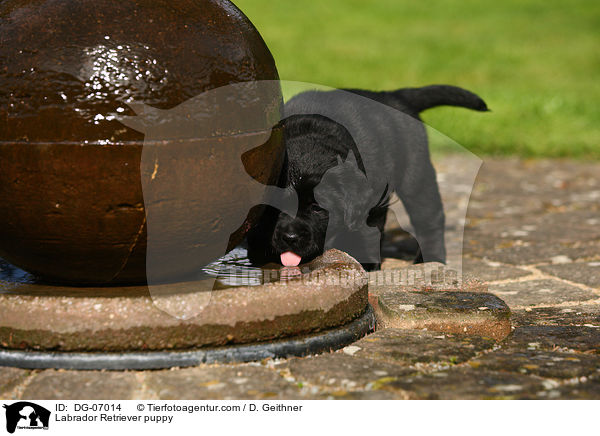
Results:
<point x="536" y="63"/>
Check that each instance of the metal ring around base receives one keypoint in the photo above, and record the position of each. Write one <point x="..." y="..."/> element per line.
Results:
<point x="297" y="346"/>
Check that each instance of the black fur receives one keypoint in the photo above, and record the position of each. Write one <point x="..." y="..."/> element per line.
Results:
<point x="383" y="131"/>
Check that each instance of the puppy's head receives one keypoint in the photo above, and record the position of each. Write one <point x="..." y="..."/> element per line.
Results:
<point x="313" y="146"/>
<point x="301" y="238"/>
<point x="332" y="204"/>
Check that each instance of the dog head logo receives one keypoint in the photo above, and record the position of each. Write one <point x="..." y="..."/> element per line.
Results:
<point x="344" y="191"/>
<point x="26" y="415"/>
<point x="353" y="198"/>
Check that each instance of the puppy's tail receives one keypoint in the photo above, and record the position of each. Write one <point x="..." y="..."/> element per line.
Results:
<point x="420" y="99"/>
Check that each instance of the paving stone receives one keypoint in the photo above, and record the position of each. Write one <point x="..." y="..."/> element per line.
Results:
<point x="408" y="347"/>
<point x="541" y="363"/>
<point x="430" y="276"/>
<point x="586" y="389"/>
<point x="558" y="227"/>
<point x="449" y="312"/>
<point x="480" y="208"/>
<point x="539" y="292"/>
<point x="466" y="384"/>
<point x="363" y="395"/>
<point x="518" y="252"/>
<point x="587" y="273"/>
<point x="417" y="297"/>
<point x="225" y="382"/>
<point x="574" y="316"/>
<point x="11" y="377"/>
<point x="81" y="385"/>
<point x="340" y="371"/>
<point x="490" y="271"/>
<point x="585" y="339"/>
<point x="525" y="187"/>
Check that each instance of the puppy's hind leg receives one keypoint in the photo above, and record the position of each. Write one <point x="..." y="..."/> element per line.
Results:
<point x="377" y="218"/>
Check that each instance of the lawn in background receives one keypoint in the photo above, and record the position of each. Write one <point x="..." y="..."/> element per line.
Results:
<point x="536" y="63"/>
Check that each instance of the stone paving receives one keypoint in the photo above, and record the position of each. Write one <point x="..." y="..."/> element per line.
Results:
<point x="532" y="241"/>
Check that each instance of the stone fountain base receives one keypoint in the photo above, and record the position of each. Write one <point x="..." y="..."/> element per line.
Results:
<point x="46" y="326"/>
<point x="297" y="346"/>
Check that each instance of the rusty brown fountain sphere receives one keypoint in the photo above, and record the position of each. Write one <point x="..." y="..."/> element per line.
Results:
<point x="71" y="202"/>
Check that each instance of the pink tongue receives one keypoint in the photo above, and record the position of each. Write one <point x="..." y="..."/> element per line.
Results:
<point x="290" y="259"/>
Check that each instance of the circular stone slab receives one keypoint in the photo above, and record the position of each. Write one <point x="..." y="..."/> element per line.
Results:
<point x="47" y="317"/>
<point x="298" y="346"/>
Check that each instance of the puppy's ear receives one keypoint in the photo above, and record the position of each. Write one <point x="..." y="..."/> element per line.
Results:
<point x="351" y="159"/>
<point x="339" y="160"/>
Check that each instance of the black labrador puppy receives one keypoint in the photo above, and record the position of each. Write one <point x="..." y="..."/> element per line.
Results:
<point x="347" y="151"/>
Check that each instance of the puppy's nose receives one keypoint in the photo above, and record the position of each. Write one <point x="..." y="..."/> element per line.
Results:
<point x="290" y="237"/>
